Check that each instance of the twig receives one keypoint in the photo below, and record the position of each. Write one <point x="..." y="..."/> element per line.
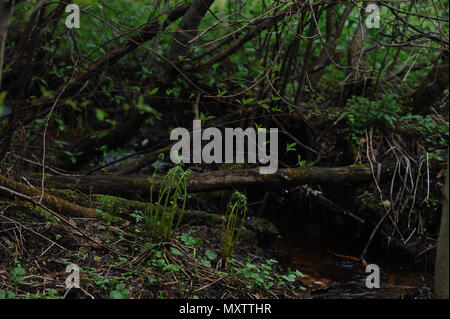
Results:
<point x="44" y="139"/>
<point x="36" y="233"/>
<point x="31" y="199"/>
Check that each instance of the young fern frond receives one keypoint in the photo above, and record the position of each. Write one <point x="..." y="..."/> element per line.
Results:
<point x="172" y="187"/>
<point x="150" y="219"/>
<point x="237" y="208"/>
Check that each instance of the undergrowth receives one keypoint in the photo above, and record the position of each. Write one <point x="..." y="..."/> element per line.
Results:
<point x="160" y="219"/>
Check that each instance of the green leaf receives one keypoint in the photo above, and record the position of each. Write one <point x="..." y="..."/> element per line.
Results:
<point x="175" y="251"/>
<point x="154" y="91"/>
<point x="100" y="114"/>
<point x="2" y="97"/>
<point x="221" y="93"/>
<point x="290" y="147"/>
<point x="247" y="101"/>
<point x="116" y="295"/>
<point x="120" y="287"/>
<point x="18" y="271"/>
<point x="171" y="267"/>
<point x="205" y="262"/>
<point x="210" y="254"/>
<point x="290" y="277"/>
<point x="206" y="117"/>
<point x="7" y="294"/>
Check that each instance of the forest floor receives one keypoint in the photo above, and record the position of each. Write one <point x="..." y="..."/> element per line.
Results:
<point x="36" y="250"/>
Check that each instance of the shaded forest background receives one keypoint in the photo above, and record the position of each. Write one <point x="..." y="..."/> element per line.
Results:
<point x="362" y="112"/>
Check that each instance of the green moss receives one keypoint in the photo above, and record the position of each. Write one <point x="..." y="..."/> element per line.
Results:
<point x="25" y="207"/>
<point x="213" y="197"/>
<point x="116" y="208"/>
<point x="70" y="196"/>
<point x="265" y="231"/>
<point x="103" y="203"/>
<point x="295" y="172"/>
<point x="115" y="205"/>
<point x="262" y="226"/>
<point x="355" y="167"/>
<point x="193" y="217"/>
<point x="228" y="166"/>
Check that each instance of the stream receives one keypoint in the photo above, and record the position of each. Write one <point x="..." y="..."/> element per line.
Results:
<point x="307" y="247"/>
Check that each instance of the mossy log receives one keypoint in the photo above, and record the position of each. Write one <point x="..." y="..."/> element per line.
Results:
<point x="138" y="187"/>
<point x="114" y="208"/>
<point x="56" y="204"/>
<point x="72" y="204"/>
<point x="123" y="208"/>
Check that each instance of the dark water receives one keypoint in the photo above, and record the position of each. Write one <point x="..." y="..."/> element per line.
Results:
<point x="307" y="246"/>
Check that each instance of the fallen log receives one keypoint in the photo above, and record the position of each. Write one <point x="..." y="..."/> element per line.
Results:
<point x="139" y="163"/>
<point x="138" y="187"/>
<point x="59" y="204"/>
<point x="72" y="204"/>
<point x="10" y="188"/>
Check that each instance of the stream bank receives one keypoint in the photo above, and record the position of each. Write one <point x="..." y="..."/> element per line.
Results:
<point x="307" y="245"/>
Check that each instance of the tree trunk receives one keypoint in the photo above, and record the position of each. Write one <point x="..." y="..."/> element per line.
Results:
<point x="432" y="87"/>
<point x="6" y="11"/>
<point x="186" y="31"/>
<point x="441" y="267"/>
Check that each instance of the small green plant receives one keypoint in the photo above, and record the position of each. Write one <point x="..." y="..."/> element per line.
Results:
<point x="236" y="209"/>
<point x="138" y="216"/>
<point x="190" y="241"/>
<point x="362" y="113"/>
<point x="120" y="292"/>
<point x="434" y="132"/>
<point x="5" y="294"/>
<point x="73" y="156"/>
<point x="300" y="162"/>
<point x="205" y="117"/>
<point x="17" y="274"/>
<point x="263" y="276"/>
<point x="160" y="217"/>
<point x="290" y="147"/>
